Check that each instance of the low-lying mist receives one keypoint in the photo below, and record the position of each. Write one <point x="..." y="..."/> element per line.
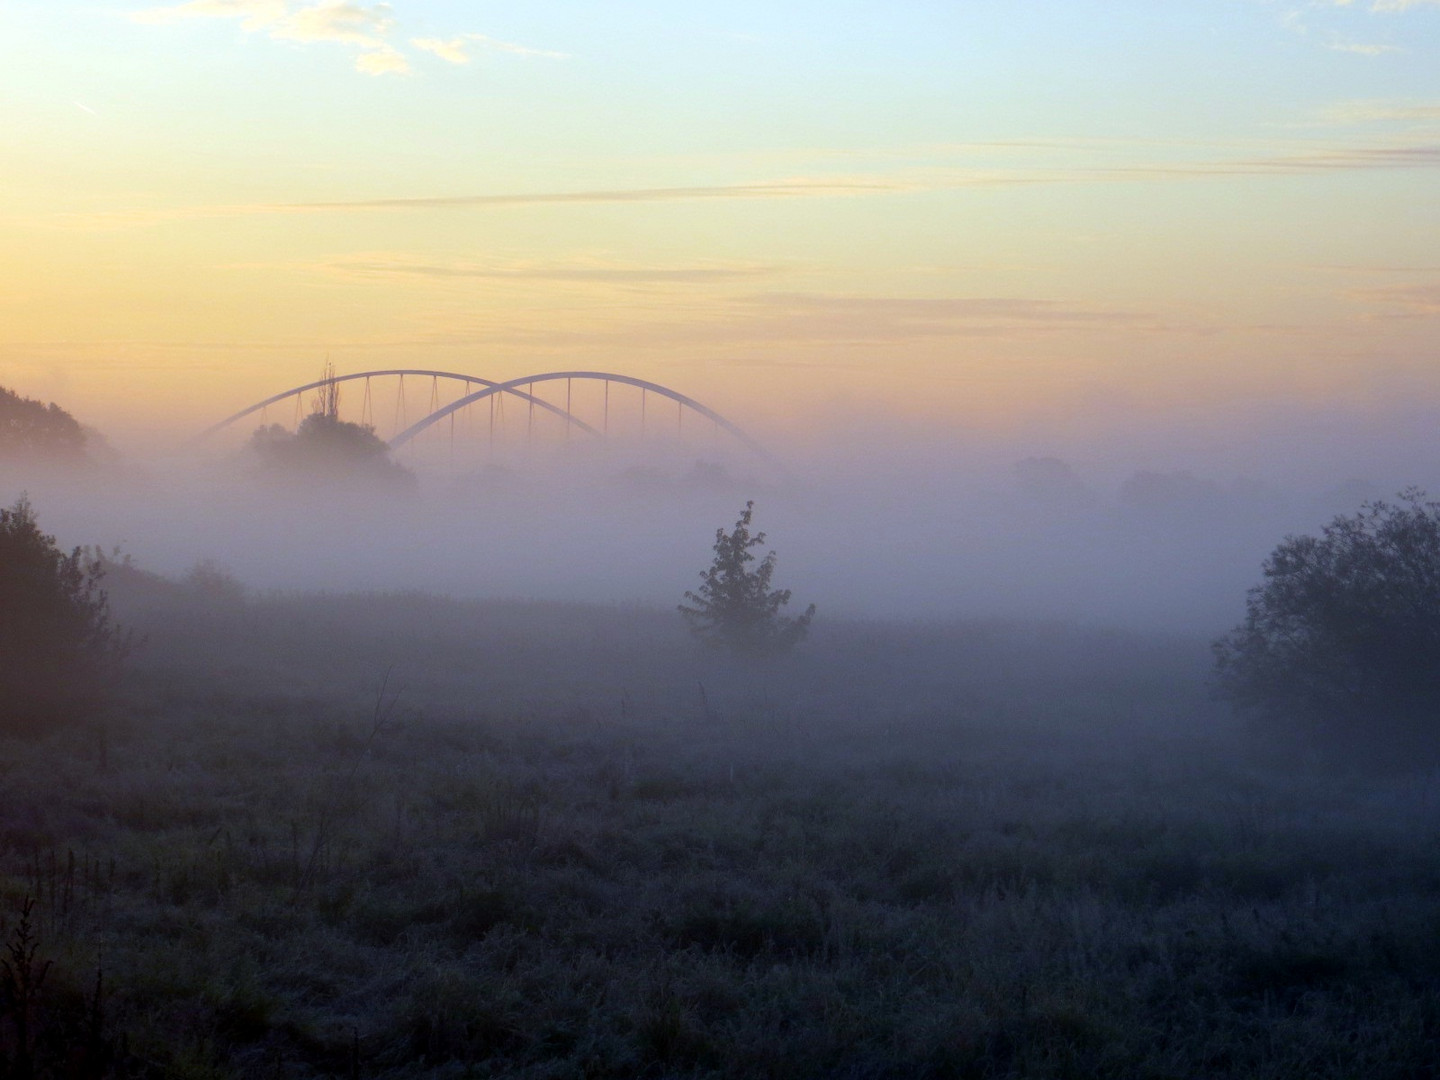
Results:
<point x="1033" y="537"/>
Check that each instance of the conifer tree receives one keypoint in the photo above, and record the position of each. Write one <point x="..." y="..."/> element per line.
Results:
<point x="735" y="608"/>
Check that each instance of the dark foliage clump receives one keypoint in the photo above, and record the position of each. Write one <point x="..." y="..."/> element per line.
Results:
<point x="1340" y="647"/>
<point x="328" y="449"/>
<point x="735" y="608"/>
<point x="59" y="653"/>
<point x="31" y="430"/>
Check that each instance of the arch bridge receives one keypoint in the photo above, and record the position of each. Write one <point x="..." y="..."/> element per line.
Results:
<point x="494" y="391"/>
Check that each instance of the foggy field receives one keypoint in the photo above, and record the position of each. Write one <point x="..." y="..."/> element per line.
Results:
<point x="385" y="692"/>
<point x="396" y="835"/>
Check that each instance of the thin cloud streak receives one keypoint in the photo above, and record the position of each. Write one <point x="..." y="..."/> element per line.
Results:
<point x="496" y="45"/>
<point x="1361" y="112"/>
<point x="919" y="310"/>
<point x="1343" y="159"/>
<point x="776" y="190"/>
<point x="121" y="219"/>
<point x="580" y="274"/>
<point x="755" y="320"/>
<point x="452" y="51"/>
<point x="1374" y="268"/>
<point x="1381" y="7"/>
<point x="1401" y="5"/>
<point x="1340" y="159"/>
<point x="455" y="49"/>
<point x="1414" y="301"/>
<point x="1362" y="50"/>
<point x="801" y="319"/>
<point x="901" y="181"/>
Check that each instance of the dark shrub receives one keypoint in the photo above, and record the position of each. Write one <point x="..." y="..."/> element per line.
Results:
<point x="59" y="653"/>
<point x="1340" y="647"/>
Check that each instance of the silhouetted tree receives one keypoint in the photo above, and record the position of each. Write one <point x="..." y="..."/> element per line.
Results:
<point x="59" y="653"/>
<point x="30" y="429"/>
<point x="1340" y="646"/>
<point x="735" y="607"/>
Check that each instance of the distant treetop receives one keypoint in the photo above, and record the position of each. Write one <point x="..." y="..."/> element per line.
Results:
<point x="32" y="430"/>
<point x="326" y="448"/>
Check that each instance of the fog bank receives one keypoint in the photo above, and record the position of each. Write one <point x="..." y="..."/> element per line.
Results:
<point x="911" y="533"/>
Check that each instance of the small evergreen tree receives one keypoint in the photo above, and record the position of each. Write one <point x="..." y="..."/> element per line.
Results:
<point x="59" y="652"/>
<point x="735" y="608"/>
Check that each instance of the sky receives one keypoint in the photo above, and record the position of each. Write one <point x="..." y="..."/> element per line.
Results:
<point x="1165" y="227"/>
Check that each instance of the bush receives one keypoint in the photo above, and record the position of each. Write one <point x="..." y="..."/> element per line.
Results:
<point x="59" y="652"/>
<point x="1340" y="646"/>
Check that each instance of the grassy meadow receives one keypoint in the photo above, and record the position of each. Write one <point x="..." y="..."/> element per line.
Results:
<point x="397" y="835"/>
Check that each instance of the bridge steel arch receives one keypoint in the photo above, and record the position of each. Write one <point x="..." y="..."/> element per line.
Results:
<point x="512" y="385"/>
